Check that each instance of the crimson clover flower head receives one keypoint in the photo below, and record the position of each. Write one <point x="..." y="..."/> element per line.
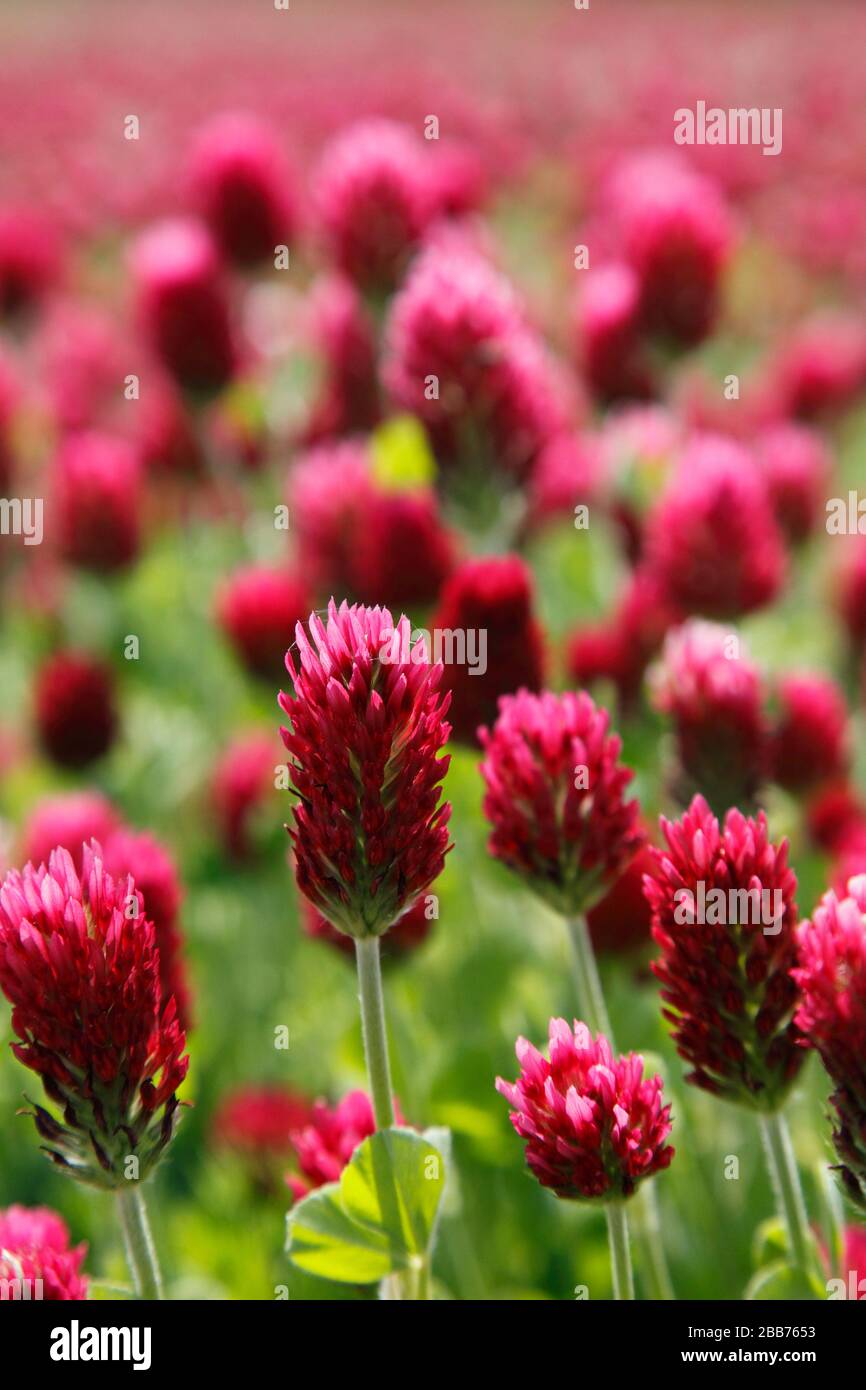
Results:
<point x="326" y="1142"/>
<point x="260" y="1120"/>
<point x="831" y="974"/>
<point x="365" y="730"/>
<point x="708" y="684"/>
<point x="556" y="799"/>
<point x="241" y="187"/>
<point x="724" y="913"/>
<point x="80" y="966"/>
<point x="69" y="820"/>
<point x="75" y="708"/>
<point x="594" y="1124"/>
<point x="98" y="497"/>
<point x="257" y="608"/>
<point x="809" y="741"/>
<point x="35" y="1250"/>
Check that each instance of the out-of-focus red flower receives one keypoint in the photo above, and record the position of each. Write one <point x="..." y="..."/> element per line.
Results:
<point x="797" y="466"/>
<point x="163" y="431"/>
<point x="342" y="332"/>
<point x="620" y="921"/>
<point x="620" y="649"/>
<point x="329" y="495"/>
<point x="555" y="797"/>
<point x="610" y="350"/>
<point x="183" y="305"/>
<point x="76" y="716"/>
<point x="724" y="916"/>
<point x="98" y="497"/>
<point x="460" y="356"/>
<point x="134" y="853"/>
<point x="809" y="740"/>
<point x="567" y="473"/>
<point x="675" y="232"/>
<point x="261" y="1121"/>
<point x="835" y="816"/>
<point x="69" y="821"/>
<point x="712" y="691"/>
<point x="409" y="931"/>
<point x="81" y="359"/>
<point x="831" y="973"/>
<point x="712" y="538"/>
<point x="639" y="445"/>
<point x="31" y="259"/>
<point x="82" y="975"/>
<point x="821" y="369"/>
<point x="364" y="734"/>
<point x="488" y="638"/>
<point x="241" y="187"/>
<point x="242" y="780"/>
<point x="10" y="395"/>
<point x="403" y="552"/>
<point x="594" y="1124"/>
<point x="375" y="197"/>
<point x="325" y="1145"/>
<point x="460" y="182"/>
<point x="35" y="1250"/>
<point x="257" y="609"/>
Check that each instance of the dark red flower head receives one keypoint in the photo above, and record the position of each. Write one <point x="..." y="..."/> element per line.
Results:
<point x="723" y="913"/>
<point x="183" y="306"/>
<point x="713" y="693"/>
<point x="487" y="635"/>
<point x="76" y="718"/>
<point x="594" y="1125"/>
<point x="712" y="537"/>
<point x="556" y="797"/>
<point x="821" y="368"/>
<point x="610" y="349"/>
<point x="98" y="496"/>
<point x="80" y="966"/>
<point x="243" y="779"/>
<point x="809" y="741"/>
<point x="35" y="1250"/>
<point x="365" y="730"/>
<point x="375" y="196"/>
<point x="258" y="608"/>
<point x="241" y="187"/>
<point x="797" y="466"/>
<point x="30" y="259"/>
<point x="831" y="974"/>
<point x="261" y="1121"/>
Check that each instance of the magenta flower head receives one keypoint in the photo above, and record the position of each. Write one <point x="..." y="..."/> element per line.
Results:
<point x="70" y="820"/>
<point x="594" y="1124"/>
<point x="242" y="189"/>
<point x="243" y="779"/>
<point x="257" y="608"/>
<point x="809" y="741"/>
<point x="821" y="369"/>
<point x="98" y="496"/>
<point x="365" y="730"/>
<point x="831" y="974"/>
<point x="712" y="537"/>
<point x="797" y="466"/>
<point x="76" y="716"/>
<point x="706" y="682"/>
<point x="609" y="345"/>
<point x="183" y="305"/>
<point x="80" y="966"/>
<point x="324" y="1145"/>
<point x="31" y="259"/>
<point x="375" y="198"/>
<point x="488" y="604"/>
<point x="341" y="331"/>
<point x="36" y="1260"/>
<point x="556" y="797"/>
<point x="723" y="913"/>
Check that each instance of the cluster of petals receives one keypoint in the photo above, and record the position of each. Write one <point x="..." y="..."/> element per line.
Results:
<point x="36" y="1259"/>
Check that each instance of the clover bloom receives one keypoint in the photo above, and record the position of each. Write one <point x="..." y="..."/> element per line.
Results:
<point x="594" y="1124"/>
<point x="98" y="496"/>
<point x="36" y="1260"/>
<point x="796" y="464"/>
<point x="69" y="821"/>
<point x="486" y="632"/>
<point x="723" y="914"/>
<point x="257" y="608"/>
<point x="242" y="781"/>
<point x="31" y="259"/>
<point x="408" y="932"/>
<point x="342" y="331"/>
<point x="241" y="187"/>
<point x="712" y="691"/>
<point x="831" y="974"/>
<point x="364" y="732"/>
<point x="80" y="966"/>
<point x="324" y="1146"/>
<point x="556" y="799"/>
<point x="609" y="347"/>
<point x="809" y="741"/>
<point x="76" y="717"/>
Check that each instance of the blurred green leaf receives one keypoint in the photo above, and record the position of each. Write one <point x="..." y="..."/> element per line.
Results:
<point x="402" y="458"/>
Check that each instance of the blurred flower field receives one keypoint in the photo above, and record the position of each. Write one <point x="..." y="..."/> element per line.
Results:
<point x="425" y="308"/>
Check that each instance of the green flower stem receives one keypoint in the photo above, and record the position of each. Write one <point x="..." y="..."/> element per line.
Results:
<point x="620" y="1258"/>
<point x="373" y="1025"/>
<point x="590" y="998"/>
<point x="138" y="1242"/>
<point x="786" y="1186"/>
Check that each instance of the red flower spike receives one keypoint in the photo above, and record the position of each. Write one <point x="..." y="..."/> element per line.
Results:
<point x="594" y="1125"/>
<point x="556" y="797"/>
<point x="726" y="984"/>
<point x="35" y="1250"/>
<point x="365" y="730"/>
<point x="80" y="966"/>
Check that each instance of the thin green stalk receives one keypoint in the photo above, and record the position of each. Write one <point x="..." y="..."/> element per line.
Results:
<point x="373" y="1025"/>
<point x="138" y="1242"/>
<point x="620" y="1258"/>
<point x="786" y="1186"/>
<point x="593" y="1009"/>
